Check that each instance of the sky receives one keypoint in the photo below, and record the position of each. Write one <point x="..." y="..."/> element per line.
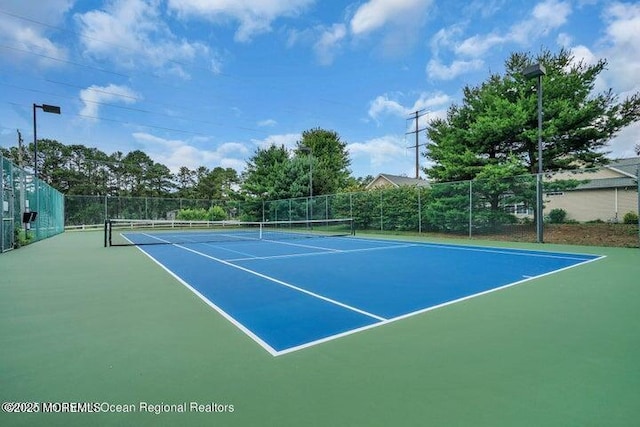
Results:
<point x="208" y="82"/>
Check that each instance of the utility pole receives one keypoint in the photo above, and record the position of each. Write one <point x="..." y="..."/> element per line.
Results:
<point x="415" y="116"/>
<point x="20" y="140"/>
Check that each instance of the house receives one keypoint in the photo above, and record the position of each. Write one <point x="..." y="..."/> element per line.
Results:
<point x="385" y="180"/>
<point x="605" y="194"/>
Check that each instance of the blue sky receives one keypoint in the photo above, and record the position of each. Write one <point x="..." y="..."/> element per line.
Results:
<point x="207" y="82"/>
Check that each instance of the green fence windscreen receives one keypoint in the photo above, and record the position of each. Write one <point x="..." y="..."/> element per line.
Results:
<point x="21" y="193"/>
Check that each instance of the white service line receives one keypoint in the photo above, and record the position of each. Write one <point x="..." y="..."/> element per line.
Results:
<point x="288" y="285"/>
<point x="333" y="252"/>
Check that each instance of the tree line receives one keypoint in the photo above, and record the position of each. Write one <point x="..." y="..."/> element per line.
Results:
<point x="491" y="136"/>
<point x="320" y="158"/>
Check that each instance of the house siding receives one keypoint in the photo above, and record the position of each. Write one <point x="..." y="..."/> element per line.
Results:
<point x="589" y="205"/>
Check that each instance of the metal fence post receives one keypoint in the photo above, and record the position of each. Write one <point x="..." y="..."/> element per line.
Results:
<point x="419" y="209"/>
<point x="470" y="207"/>
<point x="326" y="207"/>
<point x="381" y="213"/>
<point x="350" y="205"/>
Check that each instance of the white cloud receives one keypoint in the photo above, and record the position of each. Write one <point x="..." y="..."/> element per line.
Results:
<point x="133" y="33"/>
<point x="399" y="22"/>
<point x="553" y="13"/>
<point x="379" y="151"/>
<point x="384" y="105"/>
<point x="175" y="153"/>
<point x="445" y="38"/>
<point x="254" y="16"/>
<point x="478" y="45"/>
<point x="289" y="140"/>
<point x="93" y="96"/>
<point x="624" y="144"/>
<point x="328" y="44"/>
<point x="326" y="41"/>
<point x="375" y="14"/>
<point x="439" y="71"/>
<point x="26" y="36"/>
<point x="545" y="16"/>
<point x="267" y="123"/>
<point x="622" y="46"/>
<point x="483" y="8"/>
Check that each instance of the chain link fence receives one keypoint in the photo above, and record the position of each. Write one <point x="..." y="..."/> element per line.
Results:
<point x="20" y="193"/>
<point x="605" y="200"/>
<point x="92" y="211"/>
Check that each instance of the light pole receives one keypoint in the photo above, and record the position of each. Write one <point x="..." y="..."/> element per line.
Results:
<point x="305" y="149"/>
<point x="54" y="109"/>
<point x="533" y="71"/>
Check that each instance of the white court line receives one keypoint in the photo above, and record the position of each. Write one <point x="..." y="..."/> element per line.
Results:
<point x="424" y="310"/>
<point x="301" y="245"/>
<point x="336" y="251"/>
<point x="382" y="321"/>
<point x="204" y="243"/>
<point x="280" y="282"/>
<point x="488" y="249"/>
<point x="210" y="303"/>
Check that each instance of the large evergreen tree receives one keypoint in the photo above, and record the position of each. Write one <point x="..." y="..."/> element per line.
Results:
<point x="264" y="176"/>
<point x="331" y="168"/>
<point x="497" y="120"/>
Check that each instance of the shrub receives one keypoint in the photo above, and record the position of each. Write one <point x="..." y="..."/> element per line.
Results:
<point x="21" y="239"/>
<point x="595" y="221"/>
<point x="216" y="213"/>
<point x="197" y="214"/>
<point x="630" y="218"/>
<point x="557" y="216"/>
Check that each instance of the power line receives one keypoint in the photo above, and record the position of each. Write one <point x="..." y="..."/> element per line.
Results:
<point x="130" y="109"/>
<point x="77" y="64"/>
<point x="158" y="80"/>
<point x="84" y="36"/>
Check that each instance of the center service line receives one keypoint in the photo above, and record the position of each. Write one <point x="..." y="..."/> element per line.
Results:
<point x="280" y="282"/>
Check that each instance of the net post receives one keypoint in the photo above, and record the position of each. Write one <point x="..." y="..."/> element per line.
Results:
<point x="105" y="232"/>
<point x="260" y="231"/>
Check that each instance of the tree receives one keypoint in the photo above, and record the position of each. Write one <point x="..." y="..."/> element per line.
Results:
<point x="497" y="120"/>
<point x="143" y="177"/>
<point x="265" y="174"/>
<point x="117" y="174"/>
<point x="159" y="179"/>
<point x="185" y="182"/>
<point x="217" y="184"/>
<point x="331" y="168"/>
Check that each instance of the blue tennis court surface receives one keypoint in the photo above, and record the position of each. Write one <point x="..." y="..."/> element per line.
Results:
<point x="289" y="295"/>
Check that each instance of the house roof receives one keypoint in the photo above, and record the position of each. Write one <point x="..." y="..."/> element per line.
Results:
<point x="397" y="181"/>
<point x="627" y="170"/>
<point x="627" y="166"/>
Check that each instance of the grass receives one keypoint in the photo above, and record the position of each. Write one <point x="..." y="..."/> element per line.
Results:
<point x="83" y="323"/>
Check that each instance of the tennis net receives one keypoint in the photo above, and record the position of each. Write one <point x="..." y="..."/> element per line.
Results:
<point x="129" y="232"/>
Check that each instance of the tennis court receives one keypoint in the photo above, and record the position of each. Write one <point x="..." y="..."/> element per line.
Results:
<point x="292" y="285"/>
<point x="84" y="323"/>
